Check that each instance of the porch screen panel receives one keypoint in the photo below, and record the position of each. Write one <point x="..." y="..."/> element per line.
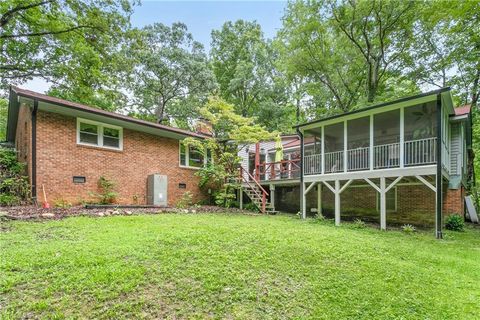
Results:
<point x="334" y="138"/>
<point x="386" y="139"/>
<point x="358" y="144"/>
<point x="420" y="134"/>
<point x="313" y="151"/>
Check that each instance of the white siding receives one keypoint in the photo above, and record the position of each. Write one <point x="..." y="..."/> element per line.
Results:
<point x="456" y="150"/>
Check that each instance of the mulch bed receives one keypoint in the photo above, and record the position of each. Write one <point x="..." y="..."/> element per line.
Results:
<point x="33" y="212"/>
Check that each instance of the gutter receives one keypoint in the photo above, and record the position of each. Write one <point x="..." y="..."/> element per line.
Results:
<point x="34" y="151"/>
<point x="439" y="176"/>
<point x="302" y="209"/>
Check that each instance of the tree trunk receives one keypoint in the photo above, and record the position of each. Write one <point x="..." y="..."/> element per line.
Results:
<point x="476" y="88"/>
<point x="160" y="111"/>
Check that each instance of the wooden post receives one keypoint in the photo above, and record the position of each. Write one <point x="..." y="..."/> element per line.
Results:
<point x="337" y="202"/>
<point x="319" y="198"/>
<point x="371" y="155"/>
<point x="323" y="150"/>
<point x="272" y="195"/>
<point x="345" y="147"/>
<point x="241" y="198"/>
<point x="303" y="201"/>
<point x="257" y="161"/>
<point x="402" y="138"/>
<point x="383" y="204"/>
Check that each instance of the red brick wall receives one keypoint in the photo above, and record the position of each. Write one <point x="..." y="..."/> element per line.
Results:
<point x="453" y="201"/>
<point x="59" y="158"/>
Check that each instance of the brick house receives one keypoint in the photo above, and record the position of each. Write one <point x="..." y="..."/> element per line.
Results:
<point x="67" y="146"/>
<point x="404" y="161"/>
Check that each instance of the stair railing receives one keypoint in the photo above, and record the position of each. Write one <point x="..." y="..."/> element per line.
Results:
<point x="264" y="194"/>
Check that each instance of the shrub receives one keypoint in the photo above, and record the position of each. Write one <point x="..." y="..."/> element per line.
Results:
<point x="408" y="228"/>
<point x="14" y="186"/>
<point x="62" y="203"/>
<point x="251" y="207"/>
<point x="454" y="222"/>
<point x="185" y="201"/>
<point x="359" y="223"/>
<point x="319" y="217"/>
<point x="107" y="194"/>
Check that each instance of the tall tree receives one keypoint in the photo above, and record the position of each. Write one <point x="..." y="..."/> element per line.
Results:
<point x="172" y="77"/>
<point x="63" y="41"/>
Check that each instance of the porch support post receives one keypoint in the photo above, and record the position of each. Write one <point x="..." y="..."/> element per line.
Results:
<point x="371" y="143"/>
<point x="240" y="196"/>
<point x="439" y="178"/>
<point x="272" y="195"/>
<point x="303" y="201"/>
<point x="319" y="198"/>
<point x="257" y="161"/>
<point x="402" y="137"/>
<point x="345" y="148"/>
<point x="383" y="205"/>
<point x="337" y="202"/>
<point x="323" y="150"/>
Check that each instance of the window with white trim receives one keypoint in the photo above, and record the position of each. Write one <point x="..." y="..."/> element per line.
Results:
<point x="93" y="133"/>
<point x="391" y="200"/>
<point x="192" y="158"/>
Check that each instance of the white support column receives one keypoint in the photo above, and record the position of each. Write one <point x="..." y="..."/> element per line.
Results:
<point x="402" y="137"/>
<point x="272" y="195"/>
<point x="323" y="150"/>
<point x="241" y="198"/>
<point x="337" y="202"/>
<point x="303" y="207"/>
<point x="383" y="204"/>
<point x="319" y="198"/>
<point x="371" y="143"/>
<point x="345" y="141"/>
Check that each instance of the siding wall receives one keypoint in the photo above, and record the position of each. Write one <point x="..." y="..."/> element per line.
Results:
<point x="456" y="145"/>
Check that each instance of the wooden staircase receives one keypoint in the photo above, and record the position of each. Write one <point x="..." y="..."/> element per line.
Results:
<point x="257" y="194"/>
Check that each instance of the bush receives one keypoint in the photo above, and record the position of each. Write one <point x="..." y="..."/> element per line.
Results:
<point x="185" y="201"/>
<point x="14" y="186"/>
<point x="359" y="223"/>
<point x="319" y="217"/>
<point x="62" y="204"/>
<point x="408" y="228"/>
<point x="251" y="207"/>
<point x="107" y="195"/>
<point x="454" y="222"/>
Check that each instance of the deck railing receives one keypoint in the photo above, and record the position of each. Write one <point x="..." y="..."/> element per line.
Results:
<point x="386" y="156"/>
<point x="313" y="164"/>
<point x="333" y="161"/>
<point x="358" y="159"/>
<point x="420" y="152"/>
<point x="285" y="169"/>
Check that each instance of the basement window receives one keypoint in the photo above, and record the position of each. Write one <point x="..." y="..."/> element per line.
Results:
<point x="99" y="134"/>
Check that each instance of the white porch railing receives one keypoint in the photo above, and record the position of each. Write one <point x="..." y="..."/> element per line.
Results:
<point x="386" y="156"/>
<point x="420" y="152"/>
<point x="358" y="159"/>
<point x="313" y="164"/>
<point x="334" y="161"/>
<point x="416" y="153"/>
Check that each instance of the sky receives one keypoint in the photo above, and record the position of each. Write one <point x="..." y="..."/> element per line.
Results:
<point x="201" y="17"/>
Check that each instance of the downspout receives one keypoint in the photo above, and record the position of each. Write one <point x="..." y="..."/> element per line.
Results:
<point x="34" y="151"/>
<point x="302" y="204"/>
<point x="439" y="176"/>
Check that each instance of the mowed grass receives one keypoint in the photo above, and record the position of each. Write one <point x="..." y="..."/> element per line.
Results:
<point x="233" y="266"/>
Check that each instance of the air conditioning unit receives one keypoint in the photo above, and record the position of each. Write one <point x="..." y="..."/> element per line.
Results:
<point x="157" y="186"/>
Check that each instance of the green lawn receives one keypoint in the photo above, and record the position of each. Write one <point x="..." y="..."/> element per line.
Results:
<point x="233" y="266"/>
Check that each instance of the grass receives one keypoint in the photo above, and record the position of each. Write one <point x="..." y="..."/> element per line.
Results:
<point x="233" y="266"/>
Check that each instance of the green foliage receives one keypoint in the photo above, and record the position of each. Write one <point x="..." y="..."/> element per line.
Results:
<point x="225" y="196"/>
<point x="62" y="204"/>
<point x="107" y="194"/>
<point x="251" y="207"/>
<point x="3" y="119"/>
<point x="185" y="201"/>
<point x="73" y="43"/>
<point x="14" y="186"/>
<point x="408" y="228"/>
<point x="172" y="76"/>
<point x="359" y="223"/>
<point x="454" y="222"/>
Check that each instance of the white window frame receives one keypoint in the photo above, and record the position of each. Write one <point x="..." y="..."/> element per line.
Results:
<point x="187" y="158"/>
<point x="396" y="201"/>
<point x="100" y="126"/>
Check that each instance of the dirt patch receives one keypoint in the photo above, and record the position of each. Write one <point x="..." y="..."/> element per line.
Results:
<point x="33" y="212"/>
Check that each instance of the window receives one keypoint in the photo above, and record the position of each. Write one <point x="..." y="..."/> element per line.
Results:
<point x="99" y="134"/>
<point x="391" y="200"/>
<point x="193" y="158"/>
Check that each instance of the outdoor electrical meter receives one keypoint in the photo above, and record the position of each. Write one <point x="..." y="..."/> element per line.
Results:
<point x="157" y="185"/>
